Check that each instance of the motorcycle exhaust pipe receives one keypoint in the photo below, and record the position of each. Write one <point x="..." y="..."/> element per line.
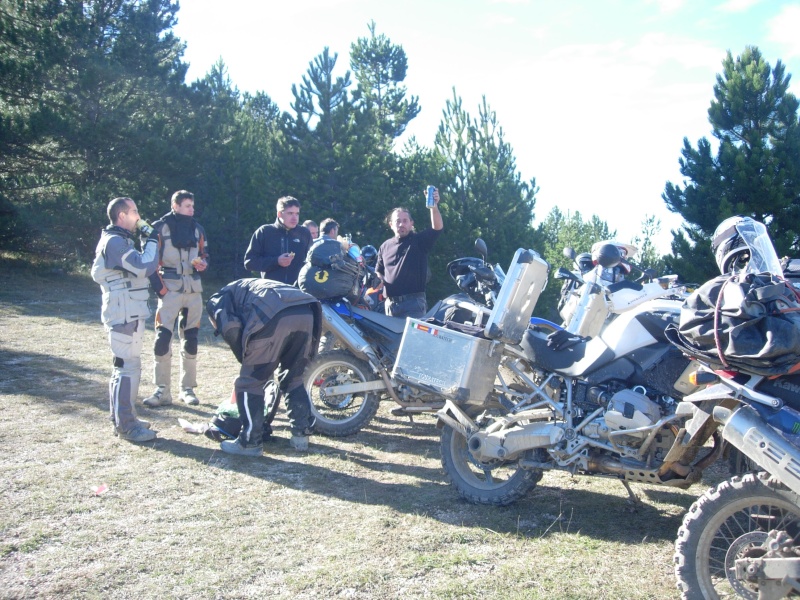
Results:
<point x="349" y="336"/>
<point x="757" y="440"/>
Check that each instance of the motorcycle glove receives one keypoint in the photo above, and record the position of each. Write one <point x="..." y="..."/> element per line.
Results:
<point x="563" y="339"/>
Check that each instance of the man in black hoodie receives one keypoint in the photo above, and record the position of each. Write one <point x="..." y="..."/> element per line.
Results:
<point x="278" y="251"/>
<point x="183" y="257"/>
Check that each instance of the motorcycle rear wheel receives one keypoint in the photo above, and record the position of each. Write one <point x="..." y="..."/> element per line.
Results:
<point x="728" y="522"/>
<point x="497" y="484"/>
<point x="338" y="416"/>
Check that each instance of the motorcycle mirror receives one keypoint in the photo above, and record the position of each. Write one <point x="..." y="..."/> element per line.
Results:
<point x="480" y="248"/>
<point x="569" y="253"/>
<point x="607" y="256"/>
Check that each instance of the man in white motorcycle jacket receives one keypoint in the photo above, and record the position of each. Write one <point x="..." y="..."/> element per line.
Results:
<point x="122" y="273"/>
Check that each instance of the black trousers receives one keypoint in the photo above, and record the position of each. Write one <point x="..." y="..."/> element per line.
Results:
<point x="286" y="341"/>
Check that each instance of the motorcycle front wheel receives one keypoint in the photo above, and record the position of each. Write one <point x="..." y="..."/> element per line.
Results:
<point x="728" y="522"/>
<point x="497" y="484"/>
<point x="343" y="414"/>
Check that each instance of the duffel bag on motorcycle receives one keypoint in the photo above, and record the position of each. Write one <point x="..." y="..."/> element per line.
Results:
<point x="750" y="322"/>
<point x="329" y="272"/>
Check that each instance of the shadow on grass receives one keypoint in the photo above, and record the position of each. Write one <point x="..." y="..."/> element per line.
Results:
<point x="545" y="512"/>
<point x="47" y="376"/>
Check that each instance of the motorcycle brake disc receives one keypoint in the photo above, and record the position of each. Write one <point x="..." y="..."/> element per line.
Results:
<point x="749" y="545"/>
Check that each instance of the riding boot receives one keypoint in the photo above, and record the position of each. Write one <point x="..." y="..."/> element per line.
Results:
<point x="188" y="370"/>
<point x="298" y="408"/>
<point x="251" y="413"/>
<point x="162" y="371"/>
<point x="124" y="381"/>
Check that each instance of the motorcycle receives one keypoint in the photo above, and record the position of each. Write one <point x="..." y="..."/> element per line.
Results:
<point x="593" y="295"/>
<point x="347" y="383"/>
<point x="742" y="537"/>
<point x="600" y="406"/>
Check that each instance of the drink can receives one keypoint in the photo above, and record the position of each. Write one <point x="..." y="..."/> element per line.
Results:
<point x="430" y="202"/>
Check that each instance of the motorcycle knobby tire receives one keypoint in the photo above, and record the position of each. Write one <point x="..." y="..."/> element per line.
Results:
<point x="348" y="414"/>
<point x="723" y="519"/>
<point x="471" y="480"/>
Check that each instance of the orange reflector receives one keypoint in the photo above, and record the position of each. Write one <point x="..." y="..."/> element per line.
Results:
<point x="703" y="378"/>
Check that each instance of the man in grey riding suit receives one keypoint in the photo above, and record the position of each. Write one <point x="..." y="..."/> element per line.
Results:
<point x="267" y="324"/>
<point x="122" y="273"/>
<point x="184" y="255"/>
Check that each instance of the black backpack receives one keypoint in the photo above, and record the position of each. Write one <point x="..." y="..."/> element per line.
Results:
<point x="749" y="322"/>
<point x="329" y="272"/>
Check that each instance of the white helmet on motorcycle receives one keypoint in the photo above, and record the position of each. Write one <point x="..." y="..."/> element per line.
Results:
<point x="729" y="248"/>
<point x="741" y="243"/>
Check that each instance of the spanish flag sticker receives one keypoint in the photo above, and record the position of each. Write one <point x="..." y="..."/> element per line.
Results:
<point x="426" y="328"/>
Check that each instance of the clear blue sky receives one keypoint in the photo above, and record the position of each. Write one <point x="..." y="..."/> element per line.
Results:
<point x="594" y="96"/>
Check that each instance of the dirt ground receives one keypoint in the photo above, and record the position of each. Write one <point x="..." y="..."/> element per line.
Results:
<point x="369" y="516"/>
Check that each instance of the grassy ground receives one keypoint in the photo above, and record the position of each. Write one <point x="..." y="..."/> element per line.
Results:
<point x="369" y="516"/>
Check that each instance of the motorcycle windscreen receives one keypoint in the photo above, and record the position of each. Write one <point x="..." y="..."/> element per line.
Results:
<point x="524" y="282"/>
<point x="763" y="258"/>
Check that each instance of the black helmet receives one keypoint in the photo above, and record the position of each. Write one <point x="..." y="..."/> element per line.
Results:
<point x="607" y="255"/>
<point x="728" y="246"/>
<point x="370" y="254"/>
<point x="584" y="262"/>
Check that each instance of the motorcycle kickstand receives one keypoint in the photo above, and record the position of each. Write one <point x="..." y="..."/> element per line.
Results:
<point x="399" y="411"/>
<point x="633" y="498"/>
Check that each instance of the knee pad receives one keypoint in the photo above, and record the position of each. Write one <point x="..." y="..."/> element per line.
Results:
<point x="190" y="341"/>
<point x="163" y="338"/>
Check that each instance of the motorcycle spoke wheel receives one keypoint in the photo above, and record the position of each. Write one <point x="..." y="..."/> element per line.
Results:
<point x="343" y="414"/>
<point x="729" y="522"/>
<point x="497" y="483"/>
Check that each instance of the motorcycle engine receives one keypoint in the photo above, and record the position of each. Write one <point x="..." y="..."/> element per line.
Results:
<point x="629" y="409"/>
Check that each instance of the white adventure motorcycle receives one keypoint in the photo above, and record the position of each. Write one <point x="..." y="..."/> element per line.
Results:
<point x="600" y="406"/>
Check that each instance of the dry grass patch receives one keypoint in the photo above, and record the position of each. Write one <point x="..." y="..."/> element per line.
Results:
<point x="368" y="516"/>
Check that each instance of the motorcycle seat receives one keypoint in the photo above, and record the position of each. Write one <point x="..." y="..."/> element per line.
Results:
<point x="572" y="362"/>
<point x="395" y="324"/>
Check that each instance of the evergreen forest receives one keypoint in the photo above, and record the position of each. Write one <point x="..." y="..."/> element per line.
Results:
<point x="94" y="104"/>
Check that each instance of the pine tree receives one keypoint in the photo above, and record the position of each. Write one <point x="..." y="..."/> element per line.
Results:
<point x="756" y="171"/>
<point x="91" y="95"/>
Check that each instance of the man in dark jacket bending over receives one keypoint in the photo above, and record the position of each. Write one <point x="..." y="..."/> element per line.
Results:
<point x="266" y="324"/>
